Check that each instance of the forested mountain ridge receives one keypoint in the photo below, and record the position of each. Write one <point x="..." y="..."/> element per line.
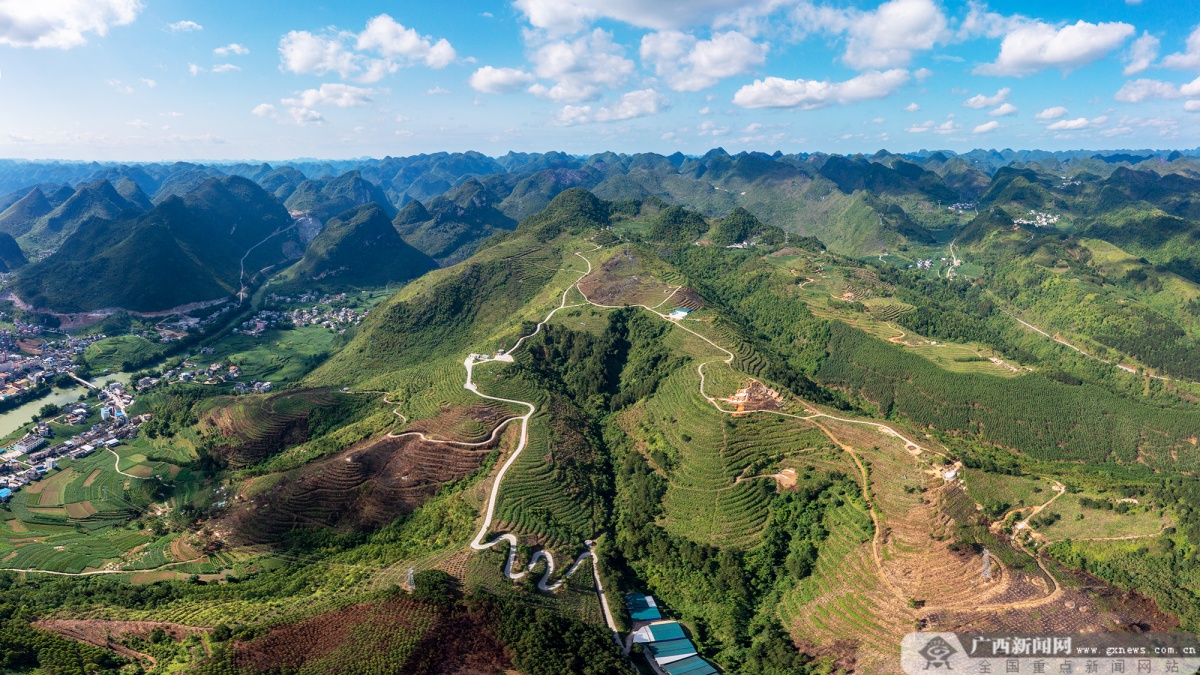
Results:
<point x="358" y="248"/>
<point x="194" y="248"/>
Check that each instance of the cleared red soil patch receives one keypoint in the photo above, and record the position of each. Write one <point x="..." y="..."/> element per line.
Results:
<point x="365" y="486"/>
<point x="397" y="635"/>
<point x="622" y="280"/>
<point x="755" y="396"/>
<point x="108" y="634"/>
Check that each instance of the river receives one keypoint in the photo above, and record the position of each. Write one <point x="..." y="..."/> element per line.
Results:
<point x="15" y="418"/>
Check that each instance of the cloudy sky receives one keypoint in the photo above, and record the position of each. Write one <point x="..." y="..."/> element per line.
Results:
<point x="267" y="79"/>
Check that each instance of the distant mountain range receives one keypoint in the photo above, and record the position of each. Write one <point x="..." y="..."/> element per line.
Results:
<point x="87" y="222"/>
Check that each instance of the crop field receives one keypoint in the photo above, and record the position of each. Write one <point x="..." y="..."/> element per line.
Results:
<point x="368" y="484"/>
<point x="252" y="428"/>
<point x="427" y="389"/>
<point x="110" y="353"/>
<point x="630" y="277"/>
<point x="276" y="356"/>
<point x="719" y="466"/>
<point x="468" y="424"/>
<point x="844" y="601"/>
<point x="534" y="499"/>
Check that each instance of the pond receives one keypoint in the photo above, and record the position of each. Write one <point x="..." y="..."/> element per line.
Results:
<point x="13" y="419"/>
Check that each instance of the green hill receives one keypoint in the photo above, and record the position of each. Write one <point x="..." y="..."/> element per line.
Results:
<point x="325" y="199"/>
<point x="11" y="256"/>
<point x="96" y="200"/>
<point x="187" y="249"/>
<point x="358" y="248"/>
<point x="18" y="218"/>
<point x="452" y="226"/>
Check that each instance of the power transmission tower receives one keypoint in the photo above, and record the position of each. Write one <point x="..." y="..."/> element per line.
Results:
<point x="410" y="584"/>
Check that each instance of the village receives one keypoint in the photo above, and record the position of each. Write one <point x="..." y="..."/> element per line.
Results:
<point x="24" y="365"/>
<point x="1037" y="219"/>
<point x="28" y="459"/>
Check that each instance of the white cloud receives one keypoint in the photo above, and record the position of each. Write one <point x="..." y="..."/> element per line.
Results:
<point x="912" y="107"/>
<point x="490" y="80"/>
<point x="1188" y="59"/>
<point x="580" y="68"/>
<point x="393" y="40"/>
<point x="922" y="74"/>
<point x="1191" y="88"/>
<point x="300" y="116"/>
<point x="1004" y="110"/>
<point x="350" y="55"/>
<point x="569" y="16"/>
<point x="777" y="92"/>
<point x="120" y="87"/>
<point x="631" y="105"/>
<point x="1077" y="123"/>
<point x="305" y="118"/>
<point x="301" y="52"/>
<point x="195" y="69"/>
<point x="436" y="90"/>
<point x="184" y="27"/>
<point x="947" y="127"/>
<point x="883" y="38"/>
<point x="139" y="124"/>
<point x="1141" y="54"/>
<point x="1032" y="46"/>
<point x="149" y="82"/>
<point x="986" y="127"/>
<point x="225" y="68"/>
<point x="710" y="128"/>
<point x="172" y="114"/>
<point x="1052" y="113"/>
<point x="980" y="101"/>
<point x="61" y="24"/>
<point x="1192" y="106"/>
<point x="340" y="95"/>
<point x="231" y="49"/>
<point x="1136" y="91"/>
<point x="688" y="64"/>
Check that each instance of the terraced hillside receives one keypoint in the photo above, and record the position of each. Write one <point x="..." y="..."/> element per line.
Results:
<point x="249" y="429"/>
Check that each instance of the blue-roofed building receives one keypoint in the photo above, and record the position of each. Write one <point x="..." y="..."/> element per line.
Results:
<point x="670" y="651"/>
<point x="692" y="665"/>
<point x="659" y="632"/>
<point x="642" y="607"/>
<point x="5" y="493"/>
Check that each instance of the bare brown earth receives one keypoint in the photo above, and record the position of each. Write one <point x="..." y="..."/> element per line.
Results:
<point x="911" y="560"/>
<point x="755" y="396"/>
<point x="108" y="634"/>
<point x="396" y="635"/>
<point x="367" y="485"/>
<point x="625" y="280"/>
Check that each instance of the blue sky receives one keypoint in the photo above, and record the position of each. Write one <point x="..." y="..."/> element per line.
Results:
<point x="266" y="79"/>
